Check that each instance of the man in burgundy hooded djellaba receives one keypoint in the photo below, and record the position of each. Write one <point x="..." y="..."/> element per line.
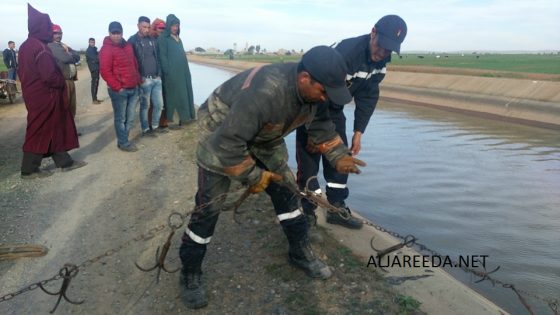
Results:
<point x="50" y="127"/>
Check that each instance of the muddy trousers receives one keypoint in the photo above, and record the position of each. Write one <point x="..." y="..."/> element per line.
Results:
<point x="202" y="223"/>
<point x="32" y="161"/>
<point x="308" y="166"/>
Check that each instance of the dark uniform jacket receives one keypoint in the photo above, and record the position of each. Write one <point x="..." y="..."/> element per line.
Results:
<point x="249" y="115"/>
<point x="363" y="78"/>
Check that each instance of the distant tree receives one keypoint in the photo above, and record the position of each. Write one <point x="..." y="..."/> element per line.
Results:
<point x="199" y="50"/>
<point x="258" y="48"/>
<point x="251" y="50"/>
<point x="229" y="53"/>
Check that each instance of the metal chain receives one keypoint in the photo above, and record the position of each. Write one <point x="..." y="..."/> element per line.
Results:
<point x="108" y="253"/>
<point x="552" y="303"/>
<point x="314" y="199"/>
<point x="410" y="240"/>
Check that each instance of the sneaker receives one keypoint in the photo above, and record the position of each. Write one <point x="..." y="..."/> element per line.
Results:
<point x="161" y="130"/>
<point x="194" y="293"/>
<point x="149" y="133"/>
<point x="38" y="174"/>
<point x="128" y="148"/>
<point x="75" y="165"/>
<point x="96" y="102"/>
<point x="344" y="219"/>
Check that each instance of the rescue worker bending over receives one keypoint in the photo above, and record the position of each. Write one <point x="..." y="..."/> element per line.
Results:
<point x="243" y="125"/>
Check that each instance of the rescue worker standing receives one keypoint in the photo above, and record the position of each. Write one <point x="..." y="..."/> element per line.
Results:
<point x="366" y="57"/>
<point x="242" y="125"/>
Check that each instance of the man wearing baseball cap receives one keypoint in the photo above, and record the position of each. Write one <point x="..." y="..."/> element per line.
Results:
<point x="242" y="126"/>
<point x="366" y="57"/>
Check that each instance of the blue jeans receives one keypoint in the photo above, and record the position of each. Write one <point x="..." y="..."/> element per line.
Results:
<point x="150" y="90"/>
<point x="124" y="107"/>
<point x="12" y="73"/>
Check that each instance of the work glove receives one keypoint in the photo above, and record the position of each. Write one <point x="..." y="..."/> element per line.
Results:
<point x="349" y="164"/>
<point x="264" y="181"/>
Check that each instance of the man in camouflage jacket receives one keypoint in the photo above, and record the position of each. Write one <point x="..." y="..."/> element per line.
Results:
<point x="242" y="126"/>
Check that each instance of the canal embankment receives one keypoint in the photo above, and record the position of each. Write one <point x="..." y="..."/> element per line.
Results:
<point x="526" y="101"/>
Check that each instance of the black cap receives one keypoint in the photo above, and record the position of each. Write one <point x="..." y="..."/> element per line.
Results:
<point x="327" y="66"/>
<point x="391" y="31"/>
<point x="115" y="27"/>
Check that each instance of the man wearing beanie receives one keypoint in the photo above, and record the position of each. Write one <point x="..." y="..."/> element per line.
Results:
<point x="366" y="57"/>
<point x="66" y="59"/>
<point x="242" y="128"/>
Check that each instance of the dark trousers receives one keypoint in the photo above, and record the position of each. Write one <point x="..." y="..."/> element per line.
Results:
<point x="94" y="84"/>
<point x="202" y="223"/>
<point x="32" y="161"/>
<point x="308" y="166"/>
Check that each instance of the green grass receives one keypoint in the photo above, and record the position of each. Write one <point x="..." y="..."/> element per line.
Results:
<point x="527" y="63"/>
<point x="261" y="58"/>
<point x="3" y="67"/>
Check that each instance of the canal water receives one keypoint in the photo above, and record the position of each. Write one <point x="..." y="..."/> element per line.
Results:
<point x="462" y="185"/>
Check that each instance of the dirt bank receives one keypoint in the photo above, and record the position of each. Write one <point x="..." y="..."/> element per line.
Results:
<point x="528" y="101"/>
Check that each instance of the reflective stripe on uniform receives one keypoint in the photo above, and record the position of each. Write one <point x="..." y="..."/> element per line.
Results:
<point x="365" y="75"/>
<point x="318" y="191"/>
<point x="197" y="238"/>
<point x="336" y="185"/>
<point x="290" y="215"/>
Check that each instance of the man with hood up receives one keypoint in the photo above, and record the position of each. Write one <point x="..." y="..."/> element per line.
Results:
<point x="50" y="127"/>
<point x="177" y="86"/>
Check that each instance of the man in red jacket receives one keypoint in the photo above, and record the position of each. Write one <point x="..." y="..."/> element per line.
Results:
<point x="119" y="69"/>
<point x="50" y="127"/>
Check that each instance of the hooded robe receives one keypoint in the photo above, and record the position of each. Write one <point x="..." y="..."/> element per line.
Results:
<point x="50" y="126"/>
<point x="177" y="84"/>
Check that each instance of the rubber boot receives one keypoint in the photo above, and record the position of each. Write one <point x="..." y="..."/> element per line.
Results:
<point x="194" y="295"/>
<point x="302" y="256"/>
<point x="300" y="253"/>
<point x="193" y="290"/>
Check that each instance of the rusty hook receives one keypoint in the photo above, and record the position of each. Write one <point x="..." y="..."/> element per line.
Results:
<point x="67" y="272"/>
<point x="407" y="241"/>
<point x="160" y="257"/>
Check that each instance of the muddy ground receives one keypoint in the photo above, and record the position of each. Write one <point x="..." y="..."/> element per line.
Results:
<point x="118" y="197"/>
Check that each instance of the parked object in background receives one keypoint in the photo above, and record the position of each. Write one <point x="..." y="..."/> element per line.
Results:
<point x="8" y="90"/>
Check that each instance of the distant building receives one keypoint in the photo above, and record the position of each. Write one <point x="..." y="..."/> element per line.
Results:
<point x="213" y="50"/>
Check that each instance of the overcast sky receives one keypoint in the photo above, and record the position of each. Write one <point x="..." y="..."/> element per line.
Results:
<point x="438" y="25"/>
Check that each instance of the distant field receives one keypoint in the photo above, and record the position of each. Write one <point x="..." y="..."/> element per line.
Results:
<point x="3" y="67"/>
<point x="526" y="63"/>
<point x="530" y="63"/>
